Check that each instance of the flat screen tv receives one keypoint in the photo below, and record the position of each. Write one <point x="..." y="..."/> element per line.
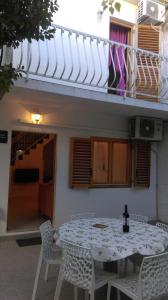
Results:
<point x="26" y="175"/>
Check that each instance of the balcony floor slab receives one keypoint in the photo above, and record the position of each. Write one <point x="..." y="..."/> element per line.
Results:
<point x="120" y="105"/>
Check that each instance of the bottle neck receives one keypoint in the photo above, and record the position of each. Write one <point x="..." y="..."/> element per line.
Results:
<point x="126" y="214"/>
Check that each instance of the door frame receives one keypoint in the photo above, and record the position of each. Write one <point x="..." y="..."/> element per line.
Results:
<point x="29" y="130"/>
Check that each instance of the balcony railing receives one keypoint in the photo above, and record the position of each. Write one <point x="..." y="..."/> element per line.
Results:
<point x="87" y="61"/>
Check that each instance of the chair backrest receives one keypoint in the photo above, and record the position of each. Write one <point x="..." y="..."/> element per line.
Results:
<point x="139" y="218"/>
<point x="86" y="215"/>
<point x="162" y="226"/>
<point x="153" y="277"/>
<point x="77" y="265"/>
<point x="47" y="232"/>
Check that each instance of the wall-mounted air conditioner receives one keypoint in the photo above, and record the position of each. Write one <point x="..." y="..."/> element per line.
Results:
<point x="144" y="128"/>
<point x="151" y="12"/>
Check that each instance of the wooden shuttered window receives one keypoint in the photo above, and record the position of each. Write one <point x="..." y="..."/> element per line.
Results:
<point x="111" y="162"/>
<point x="147" y="67"/>
<point x="148" y="38"/>
<point x="80" y="162"/>
<point x="142" y="164"/>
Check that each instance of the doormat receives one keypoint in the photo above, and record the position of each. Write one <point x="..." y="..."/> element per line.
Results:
<point x="29" y="241"/>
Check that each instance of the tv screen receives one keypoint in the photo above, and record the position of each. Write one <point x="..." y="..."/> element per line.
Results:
<point x="26" y="175"/>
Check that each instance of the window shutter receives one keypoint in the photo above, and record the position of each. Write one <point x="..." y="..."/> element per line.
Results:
<point x="148" y="38"/>
<point x="142" y="164"/>
<point x="100" y="162"/>
<point x="148" y="69"/>
<point x="80" y="160"/>
<point x="121" y="163"/>
<point x="111" y="162"/>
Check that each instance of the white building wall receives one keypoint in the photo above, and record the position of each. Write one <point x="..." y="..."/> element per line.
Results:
<point x="69" y="54"/>
<point x="162" y="190"/>
<point x="82" y="16"/>
<point x="162" y="194"/>
<point x="103" y="201"/>
<point x="164" y="64"/>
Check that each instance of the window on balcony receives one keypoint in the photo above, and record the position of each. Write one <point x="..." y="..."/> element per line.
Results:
<point x="118" y="58"/>
<point x="135" y="72"/>
<point x="148" y="65"/>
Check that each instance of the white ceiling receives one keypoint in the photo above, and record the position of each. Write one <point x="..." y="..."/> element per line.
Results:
<point x="50" y="103"/>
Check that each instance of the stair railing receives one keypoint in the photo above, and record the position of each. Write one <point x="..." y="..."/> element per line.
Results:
<point x="25" y="143"/>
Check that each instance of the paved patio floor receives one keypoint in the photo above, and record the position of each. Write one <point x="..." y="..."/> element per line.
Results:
<point x="17" y="273"/>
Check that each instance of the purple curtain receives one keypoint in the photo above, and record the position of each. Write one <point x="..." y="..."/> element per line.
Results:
<point x="118" y="34"/>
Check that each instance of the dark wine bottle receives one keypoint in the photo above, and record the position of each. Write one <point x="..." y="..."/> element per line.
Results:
<point x="125" y="220"/>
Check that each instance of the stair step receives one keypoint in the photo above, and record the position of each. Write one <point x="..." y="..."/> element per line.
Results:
<point x="33" y="147"/>
<point x="47" y="136"/>
<point x="40" y="141"/>
<point x="20" y="157"/>
<point x="27" y="152"/>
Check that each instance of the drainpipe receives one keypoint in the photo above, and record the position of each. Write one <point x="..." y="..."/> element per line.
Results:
<point x="155" y="150"/>
<point x="157" y="178"/>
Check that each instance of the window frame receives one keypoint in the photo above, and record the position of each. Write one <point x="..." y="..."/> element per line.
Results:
<point x="129" y="163"/>
<point x="81" y="173"/>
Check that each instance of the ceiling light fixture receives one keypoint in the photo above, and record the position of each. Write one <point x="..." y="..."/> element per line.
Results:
<point x="36" y="118"/>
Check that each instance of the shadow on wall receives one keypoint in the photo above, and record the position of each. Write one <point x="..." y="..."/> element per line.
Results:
<point x="2" y="215"/>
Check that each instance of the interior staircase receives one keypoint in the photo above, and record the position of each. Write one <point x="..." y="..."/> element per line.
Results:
<point x="33" y="200"/>
<point x="23" y="142"/>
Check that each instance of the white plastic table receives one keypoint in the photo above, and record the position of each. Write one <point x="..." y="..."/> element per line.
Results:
<point x="107" y="241"/>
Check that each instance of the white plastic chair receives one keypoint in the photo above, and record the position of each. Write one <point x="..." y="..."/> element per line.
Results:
<point x="86" y="215"/>
<point x="162" y="226"/>
<point x="150" y="283"/>
<point x="136" y="259"/>
<point x="78" y="269"/>
<point x="49" y="253"/>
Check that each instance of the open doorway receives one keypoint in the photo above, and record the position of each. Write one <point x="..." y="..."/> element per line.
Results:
<point x="118" y="60"/>
<point x="32" y="177"/>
